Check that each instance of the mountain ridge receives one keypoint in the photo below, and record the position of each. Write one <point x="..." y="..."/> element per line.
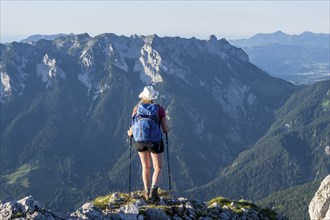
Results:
<point x="279" y="37"/>
<point x="293" y="152"/>
<point x="301" y="59"/>
<point x="37" y="37"/>
<point x="65" y="116"/>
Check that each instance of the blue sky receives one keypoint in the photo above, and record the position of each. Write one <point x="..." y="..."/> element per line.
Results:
<point x="229" y="19"/>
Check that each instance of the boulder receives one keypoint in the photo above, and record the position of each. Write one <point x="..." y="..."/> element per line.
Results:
<point x="10" y="209"/>
<point x="89" y="211"/>
<point x="319" y="207"/>
<point x="156" y="213"/>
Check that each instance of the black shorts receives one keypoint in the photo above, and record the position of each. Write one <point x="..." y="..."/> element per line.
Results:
<point x="153" y="147"/>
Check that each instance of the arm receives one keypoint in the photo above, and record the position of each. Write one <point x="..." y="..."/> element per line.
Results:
<point x="163" y="121"/>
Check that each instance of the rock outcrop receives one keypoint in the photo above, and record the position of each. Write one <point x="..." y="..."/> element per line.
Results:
<point x="120" y="206"/>
<point x="26" y="208"/>
<point x="319" y="207"/>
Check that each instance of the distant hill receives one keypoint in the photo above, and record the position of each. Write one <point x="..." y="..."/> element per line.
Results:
<point x="305" y="39"/>
<point x="302" y="59"/>
<point x="37" y="37"/>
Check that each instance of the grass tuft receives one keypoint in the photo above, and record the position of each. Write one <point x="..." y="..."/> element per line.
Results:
<point x="102" y="201"/>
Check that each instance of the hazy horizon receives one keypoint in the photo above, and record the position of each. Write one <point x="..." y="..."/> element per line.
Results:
<point x="200" y="19"/>
<point x="9" y="39"/>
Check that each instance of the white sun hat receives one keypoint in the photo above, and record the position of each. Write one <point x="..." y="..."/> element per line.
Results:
<point x="149" y="93"/>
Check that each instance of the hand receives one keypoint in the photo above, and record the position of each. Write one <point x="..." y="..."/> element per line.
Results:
<point x="130" y="132"/>
<point x="167" y="130"/>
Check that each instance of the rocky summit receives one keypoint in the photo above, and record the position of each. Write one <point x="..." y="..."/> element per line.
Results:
<point x="121" y="206"/>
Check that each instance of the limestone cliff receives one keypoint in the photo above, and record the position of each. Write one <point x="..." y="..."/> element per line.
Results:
<point x="319" y="207"/>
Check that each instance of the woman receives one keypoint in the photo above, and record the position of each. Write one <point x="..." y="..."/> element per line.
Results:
<point x="149" y="143"/>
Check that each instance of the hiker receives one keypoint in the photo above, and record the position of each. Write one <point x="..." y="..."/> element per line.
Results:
<point x="148" y="121"/>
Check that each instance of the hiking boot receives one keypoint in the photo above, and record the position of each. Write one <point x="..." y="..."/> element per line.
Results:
<point x="154" y="195"/>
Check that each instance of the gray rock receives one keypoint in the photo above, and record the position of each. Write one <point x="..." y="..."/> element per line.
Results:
<point x="161" y="202"/>
<point x="181" y="209"/>
<point x="89" y="211"/>
<point x="9" y="209"/>
<point x="132" y="208"/>
<point x="155" y="213"/>
<point x="319" y="207"/>
<point x="214" y="205"/>
<point x="115" y="198"/>
<point x="182" y="200"/>
<point x="140" y="202"/>
<point x="115" y="216"/>
<point x="26" y="208"/>
<point x="245" y="210"/>
<point x="232" y="204"/>
<point x="173" y="201"/>
<point x="243" y="217"/>
<point x="205" y="218"/>
<point x="40" y="216"/>
<point x="176" y="218"/>
<point x="190" y="210"/>
<point x="224" y="215"/>
<point x="129" y="216"/>
<point x="30" y="204"/>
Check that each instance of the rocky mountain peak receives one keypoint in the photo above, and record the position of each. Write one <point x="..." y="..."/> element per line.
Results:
<point x="134" y="206"/>
<point x="153" y="56"/>
<point x="212" y="38"/>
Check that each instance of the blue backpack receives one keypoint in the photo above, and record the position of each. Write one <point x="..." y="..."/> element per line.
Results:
<point x="146" y="123"/>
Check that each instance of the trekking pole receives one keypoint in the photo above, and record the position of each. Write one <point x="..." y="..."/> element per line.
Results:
<point x="130" y="165"/>
<point x="168" y="166"/>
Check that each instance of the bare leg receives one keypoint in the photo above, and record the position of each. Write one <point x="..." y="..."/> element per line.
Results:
<point x="157" y="161"/>
<point x="145" y="161"/>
